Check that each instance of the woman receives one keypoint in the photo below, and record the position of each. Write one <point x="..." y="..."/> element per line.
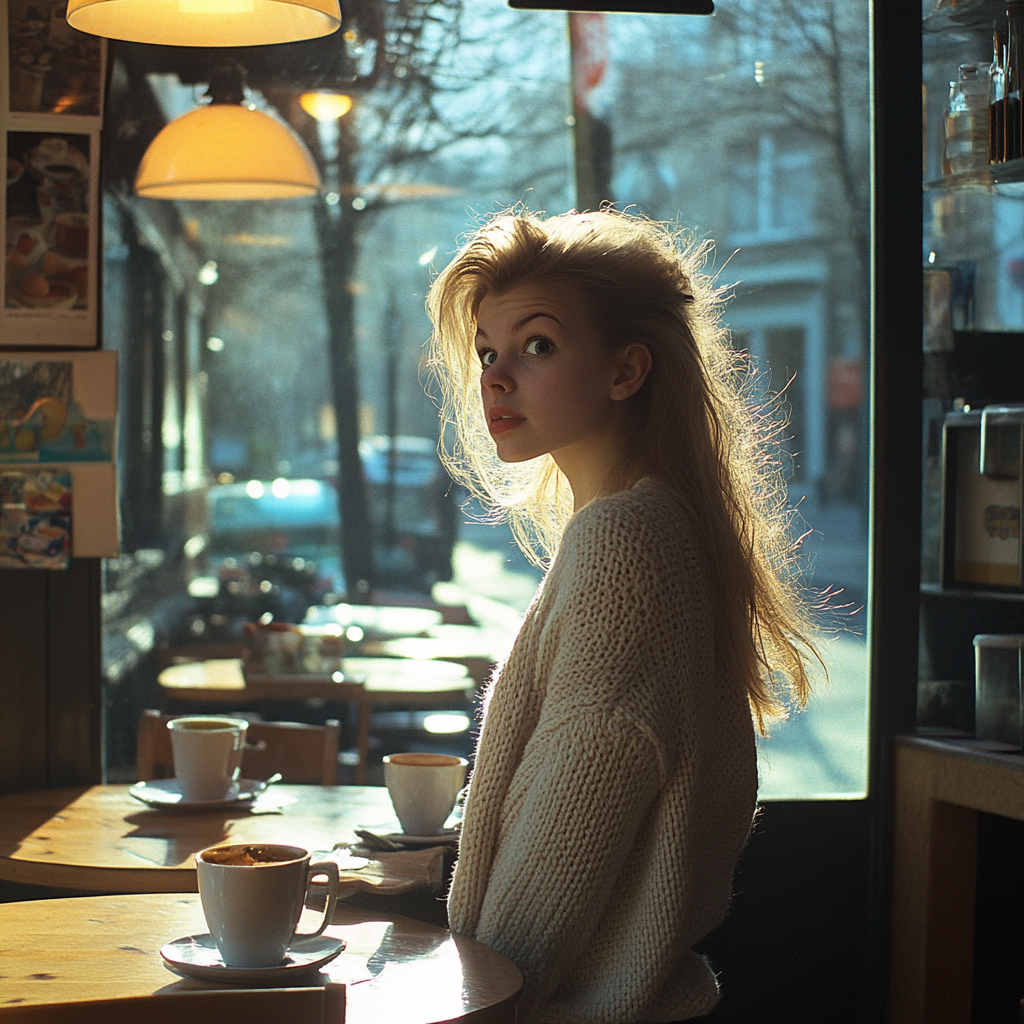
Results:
<point x="596" y="402"/>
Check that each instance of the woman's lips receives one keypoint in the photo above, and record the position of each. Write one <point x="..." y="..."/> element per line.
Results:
<point x="501" y="420"/>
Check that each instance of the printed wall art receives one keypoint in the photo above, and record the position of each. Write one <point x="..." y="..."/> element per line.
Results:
<point x="35" y="518"/>
<point x="57" y="420"/>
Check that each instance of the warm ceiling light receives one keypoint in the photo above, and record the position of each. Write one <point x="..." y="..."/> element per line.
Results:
<point x="325" y="106"/>
<point x="206" y="22"/>
<point x="226" y="151"/>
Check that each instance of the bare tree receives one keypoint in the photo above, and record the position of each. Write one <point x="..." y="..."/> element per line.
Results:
<point x="420" y="77"/>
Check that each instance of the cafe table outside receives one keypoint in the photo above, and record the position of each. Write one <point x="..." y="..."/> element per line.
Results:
<point x="100" y="838"/>
<point x="369" y="682"/>
<point x="396" y="970"/>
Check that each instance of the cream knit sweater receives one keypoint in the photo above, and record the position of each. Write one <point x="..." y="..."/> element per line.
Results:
<point x="615" y="779"/>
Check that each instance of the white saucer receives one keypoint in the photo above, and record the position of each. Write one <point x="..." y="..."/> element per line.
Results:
<point x="166" y="794"/>
<point x="198" y="956"/>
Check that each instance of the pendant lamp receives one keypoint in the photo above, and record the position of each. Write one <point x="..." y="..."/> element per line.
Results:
<point x="206" y="22"/>
<point x="226" y="151"/>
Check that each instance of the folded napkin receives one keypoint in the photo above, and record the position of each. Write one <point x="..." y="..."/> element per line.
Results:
<point x="388" y="873"/>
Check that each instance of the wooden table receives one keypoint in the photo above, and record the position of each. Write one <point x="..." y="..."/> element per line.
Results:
<point x="940" y="787"/>
<point x="376" y="620"/>
<point x="398" y="971"/>
<point x="370" y="683"/>
<point x="100" y="838"/>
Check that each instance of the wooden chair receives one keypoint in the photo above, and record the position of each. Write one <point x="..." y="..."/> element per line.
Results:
<point x="313" y="1005"/>
<point x="301" y="753"/>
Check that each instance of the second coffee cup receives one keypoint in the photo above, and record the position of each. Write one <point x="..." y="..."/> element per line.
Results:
<point x="423" y="788"/>
<point x="207" y="754"/>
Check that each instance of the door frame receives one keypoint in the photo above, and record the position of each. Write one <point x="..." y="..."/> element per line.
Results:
<point x="807" y="936"/>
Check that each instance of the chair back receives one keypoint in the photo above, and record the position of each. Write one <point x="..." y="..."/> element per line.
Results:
<point x="301" y="753"/>
<point x="313" y="1005"/>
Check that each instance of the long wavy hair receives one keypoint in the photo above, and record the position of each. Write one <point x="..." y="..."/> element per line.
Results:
<point x="696" y="425"/>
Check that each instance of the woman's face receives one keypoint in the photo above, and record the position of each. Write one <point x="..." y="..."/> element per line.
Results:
<point x="547" y="379"/>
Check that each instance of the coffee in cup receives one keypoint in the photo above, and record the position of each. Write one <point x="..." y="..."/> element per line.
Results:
<point x="423" y="788"/>
<point x="207" y="754"/>
<point x="253" y="896"/>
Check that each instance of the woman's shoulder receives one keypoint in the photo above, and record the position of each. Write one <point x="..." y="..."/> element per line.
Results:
<point x="642" y="527"/>
<point x="643" y="513"/>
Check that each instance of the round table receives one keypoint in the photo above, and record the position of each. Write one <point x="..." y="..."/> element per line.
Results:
<point x="396" y="970"/>
<point x="101" y="838"/>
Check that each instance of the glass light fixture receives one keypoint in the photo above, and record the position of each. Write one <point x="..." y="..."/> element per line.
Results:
<point x="226" y="151"/>
<point x="324" y="105"/>
<point x="206" y="22"/>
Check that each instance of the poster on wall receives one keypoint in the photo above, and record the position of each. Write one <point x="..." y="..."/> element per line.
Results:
<point x="35" y="518"/>
<point x="57" y="430"/>
<point x="52" y="69"/>
<point x="47" y="272"/>
<point x="51" y="102"/>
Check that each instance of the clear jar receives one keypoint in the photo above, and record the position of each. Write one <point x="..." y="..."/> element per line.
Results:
<point x="967" y="121"/>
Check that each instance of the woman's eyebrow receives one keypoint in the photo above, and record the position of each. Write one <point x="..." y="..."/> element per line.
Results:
<point x="519" y="324"/>
<point x="533" y="316"/>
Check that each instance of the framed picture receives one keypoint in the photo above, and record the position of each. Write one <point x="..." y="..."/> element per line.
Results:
<point x="51" y="103"/>
<point x="58" y="416"/>
<point x="52" y="69"/>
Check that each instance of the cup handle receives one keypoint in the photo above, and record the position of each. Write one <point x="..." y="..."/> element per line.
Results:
<point x="330" y="869"/>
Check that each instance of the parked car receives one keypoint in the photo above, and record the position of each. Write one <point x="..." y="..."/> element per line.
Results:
<point x="273" y="548"/>
<point x="412" y="514"/>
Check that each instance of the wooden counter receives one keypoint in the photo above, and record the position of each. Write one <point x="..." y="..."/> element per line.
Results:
<point x="940" y="787"/>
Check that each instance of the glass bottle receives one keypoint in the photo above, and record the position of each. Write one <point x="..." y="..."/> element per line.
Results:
<point x="947" y="146"/>
<point x="967" y="121"/>
<point x="997" y="99"/>
<point x="1014" y="71"/>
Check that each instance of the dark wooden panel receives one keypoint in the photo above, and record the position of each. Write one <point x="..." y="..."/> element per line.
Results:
<point x="23" y="737"/>
<point x="896" y="461"/>
<point x="74" y="673"/>
<point x="50" y="677"/>
<point x="796" y="946"/>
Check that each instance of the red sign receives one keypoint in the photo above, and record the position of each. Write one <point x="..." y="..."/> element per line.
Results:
<point x="588" y="43"/>
<point x="845" y="383"/>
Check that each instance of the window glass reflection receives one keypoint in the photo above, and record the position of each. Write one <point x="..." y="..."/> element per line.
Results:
<point x="276" y="443"/>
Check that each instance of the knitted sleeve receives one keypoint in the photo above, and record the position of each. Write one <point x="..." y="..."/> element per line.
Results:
<point x="578" y="799"/>
<point x="622" y="622"/>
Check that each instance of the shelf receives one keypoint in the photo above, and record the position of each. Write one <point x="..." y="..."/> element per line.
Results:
<point x="1005" y="179"/>
<point x="935" y="590"/>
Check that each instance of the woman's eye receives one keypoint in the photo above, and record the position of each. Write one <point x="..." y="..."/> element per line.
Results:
<point x="487" y="357"/>
<point x="538" y="347"/>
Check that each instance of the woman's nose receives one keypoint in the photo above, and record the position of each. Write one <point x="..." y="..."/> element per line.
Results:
<point x="496" y="378"/>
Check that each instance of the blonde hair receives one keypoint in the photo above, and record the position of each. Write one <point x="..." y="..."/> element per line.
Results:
<point x="694" y="425"/>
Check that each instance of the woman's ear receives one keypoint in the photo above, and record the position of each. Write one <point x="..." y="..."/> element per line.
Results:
<point x="633" y="366"/>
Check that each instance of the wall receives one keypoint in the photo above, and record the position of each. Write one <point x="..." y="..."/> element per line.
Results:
<point x="50" y="717"/>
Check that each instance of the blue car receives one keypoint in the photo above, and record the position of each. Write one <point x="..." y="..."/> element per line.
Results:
<point x="413" y="516"/>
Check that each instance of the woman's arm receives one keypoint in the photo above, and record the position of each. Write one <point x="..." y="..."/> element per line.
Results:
<point x="620" y="638"/>
<point x="580" y="794"/>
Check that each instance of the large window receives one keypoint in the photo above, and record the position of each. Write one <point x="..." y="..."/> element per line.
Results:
<point x="273" y="415"/>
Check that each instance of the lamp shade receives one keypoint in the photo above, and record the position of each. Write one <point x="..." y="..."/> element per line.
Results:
<point x="226" y="151"/>
<point x="206" y="22"/>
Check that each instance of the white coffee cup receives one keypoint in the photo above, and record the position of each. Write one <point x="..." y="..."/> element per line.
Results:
<point x="207" y="754"/>
<point x="423" y="788"/>
<point x="253" y="895"/>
